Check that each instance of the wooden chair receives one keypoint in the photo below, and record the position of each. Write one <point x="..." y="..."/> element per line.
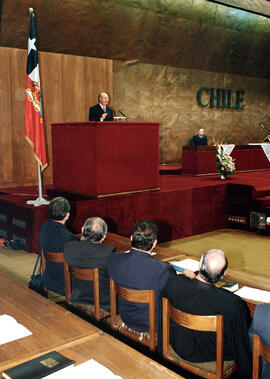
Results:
<point x="88" y="274"/>
<point x="217" y="369"/>
<point x="52" y="257"/>
<point x="138" y="296"/>
<point x="259" y="350"/>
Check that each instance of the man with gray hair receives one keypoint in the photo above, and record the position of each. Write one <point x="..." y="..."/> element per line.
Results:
<point x="101" y="111"/>
<point x="201" y="297"/>
<point x="90" y="252"/>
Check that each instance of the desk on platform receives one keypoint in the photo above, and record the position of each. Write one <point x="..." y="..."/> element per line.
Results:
<point x="201" y="160"/>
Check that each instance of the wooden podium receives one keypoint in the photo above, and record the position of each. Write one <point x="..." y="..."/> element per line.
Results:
<point x="105" y="158"/>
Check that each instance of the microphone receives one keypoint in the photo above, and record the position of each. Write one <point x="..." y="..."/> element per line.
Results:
<point x="123" y="114"/>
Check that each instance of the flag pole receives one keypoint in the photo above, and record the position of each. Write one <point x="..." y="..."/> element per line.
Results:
<point x="40" y="200"/>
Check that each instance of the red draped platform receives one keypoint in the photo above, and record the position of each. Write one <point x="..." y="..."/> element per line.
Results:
<point x="183" y="207"/>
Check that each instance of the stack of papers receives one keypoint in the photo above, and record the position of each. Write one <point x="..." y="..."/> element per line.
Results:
<point x="254" y="294"/>
<point x="11" y="330"/>
<point x="191" y="264"/>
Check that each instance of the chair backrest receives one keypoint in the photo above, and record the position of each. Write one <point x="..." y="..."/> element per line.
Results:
<point x="88" y="274"/>
<point x="52" y="257"/>
<point x="259" y="350"/>
<point x="195" y="322"/>
<point x="137" y="296"/>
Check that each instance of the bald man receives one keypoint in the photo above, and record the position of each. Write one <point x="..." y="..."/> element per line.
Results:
<point x="101" y="111"/>
<point x="201" y="297"/>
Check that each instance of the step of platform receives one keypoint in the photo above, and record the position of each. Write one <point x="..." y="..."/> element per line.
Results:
<point x="260" y="193"/>
<point x="170" y="169"/>
<point x="262" y="201"/>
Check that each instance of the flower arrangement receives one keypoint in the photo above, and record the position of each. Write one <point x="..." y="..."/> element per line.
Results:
<point x="225" y="163"/>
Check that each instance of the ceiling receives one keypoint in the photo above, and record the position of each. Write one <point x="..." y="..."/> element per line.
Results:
<point x="196" y="34"/>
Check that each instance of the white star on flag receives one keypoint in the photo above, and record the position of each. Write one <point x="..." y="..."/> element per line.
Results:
<point x="31" y="44"/>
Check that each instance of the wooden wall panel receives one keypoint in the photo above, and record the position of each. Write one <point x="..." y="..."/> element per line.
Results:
<point x="6" y="161"/>
<point x="70" y="85"/>
<point x="52" y="92"/>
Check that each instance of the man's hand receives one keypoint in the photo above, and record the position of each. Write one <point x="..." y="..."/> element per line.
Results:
<point x="104" y="115"/>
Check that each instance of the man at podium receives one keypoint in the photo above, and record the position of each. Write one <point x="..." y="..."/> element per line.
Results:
<point x="101" y="111"/>
<point x="199" y="140"/>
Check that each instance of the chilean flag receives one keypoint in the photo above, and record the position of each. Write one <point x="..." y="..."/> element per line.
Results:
<point x="34" y="128"/>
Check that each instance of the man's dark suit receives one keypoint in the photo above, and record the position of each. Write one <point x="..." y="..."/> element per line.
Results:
<point x="138" y="270"/>
<point x="199" y="141"/>
<point x="53" y="237"/>
<point x="86" y="254"/>
<point x="96" y="112"/>
<point x="260" y="325"/>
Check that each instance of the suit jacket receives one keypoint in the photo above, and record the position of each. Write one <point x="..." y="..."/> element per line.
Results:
<point x="260" y="325"/>
<point x="86" y="254"/>
<point x="199" y="141"/>
<point x="96" y="112"/>
<point x="53" y="237"/>
<point x="138" y="270"/>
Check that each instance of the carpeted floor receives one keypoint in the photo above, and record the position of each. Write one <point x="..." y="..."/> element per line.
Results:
<point x="19" y="265"/>
<point x="246" y="251"/>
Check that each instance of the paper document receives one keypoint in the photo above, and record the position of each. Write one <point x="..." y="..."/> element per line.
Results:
<point x="11" y="330"/>
<point x="97" y="370"/>
<point x="86" y="370"/>
<point x="191" y="264"/>
<point x="254" y="294"/>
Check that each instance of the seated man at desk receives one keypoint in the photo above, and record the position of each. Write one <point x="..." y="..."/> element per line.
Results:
<point x="101" y="111"/>
<point x="53" y="236"/>
<point x="201" y="297"/>
<point x="199" y="140"/>
<point x="90" y="252"/>
<point x="138" y="269"/>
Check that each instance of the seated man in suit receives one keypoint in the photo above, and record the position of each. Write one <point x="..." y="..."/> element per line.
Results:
<point x="199" y="140"/>
<point x="101" y="111"/>
<point x="137" y="269"/>
<point x="89" y="252"/>
<point x="201" y="297"/>
<point x="53" y="236"/>
<point x="260" y="325"/>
